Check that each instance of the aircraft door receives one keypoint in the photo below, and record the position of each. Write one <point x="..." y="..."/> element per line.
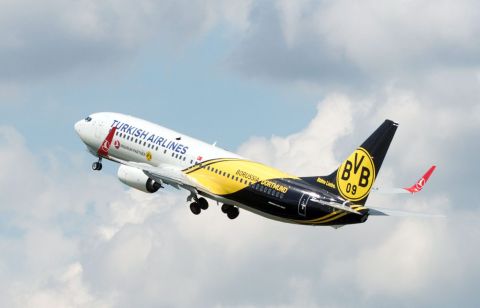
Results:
<point x="302" y="204"/>
<point x="98" y="126"/>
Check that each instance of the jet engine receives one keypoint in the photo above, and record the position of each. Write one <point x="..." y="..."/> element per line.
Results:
<point x="135" y="178"/>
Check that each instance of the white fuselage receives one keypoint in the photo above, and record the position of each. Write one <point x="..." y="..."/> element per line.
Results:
<point x="141" y="141"/>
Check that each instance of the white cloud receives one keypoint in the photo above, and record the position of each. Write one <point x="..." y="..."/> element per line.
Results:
<point x="88" y="242"/>
<point x="65" y="290"/>
<point x="310" y="150"/>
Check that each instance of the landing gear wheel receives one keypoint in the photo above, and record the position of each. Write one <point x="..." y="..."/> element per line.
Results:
<point x="226" y="208"/>
<point x="203" y="203"/>
<point x="233" y="213"/>
<point x="195" y="208"/>
<point x="97" y="166"/>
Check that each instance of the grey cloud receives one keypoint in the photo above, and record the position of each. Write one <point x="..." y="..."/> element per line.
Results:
<point x="264" y="52"/>
<point x="49" y="39"/>
<point x="351" y="44"/>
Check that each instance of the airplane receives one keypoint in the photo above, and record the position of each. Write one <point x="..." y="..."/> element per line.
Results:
<point x="151" y="156"/>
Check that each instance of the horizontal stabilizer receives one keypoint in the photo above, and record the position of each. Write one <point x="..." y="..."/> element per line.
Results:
<point x="399" y="213"/>
<point x="336" y="205"/>
<point x="389" y="190"/>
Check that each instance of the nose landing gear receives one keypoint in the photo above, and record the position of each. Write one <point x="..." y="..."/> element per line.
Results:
<point x="97" y="166"/>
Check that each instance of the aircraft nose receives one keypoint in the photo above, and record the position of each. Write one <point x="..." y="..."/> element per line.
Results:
<point x="78" y="128"/>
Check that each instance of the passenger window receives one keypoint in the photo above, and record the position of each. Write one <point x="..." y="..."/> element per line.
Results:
<point x="156" y="149"/>
<point x="165" y="152"/>
<point x="224" y="173"/>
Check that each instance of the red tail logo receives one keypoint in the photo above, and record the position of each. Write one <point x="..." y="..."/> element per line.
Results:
<point x="103" y="150"/>
<point x="419" y="185"/>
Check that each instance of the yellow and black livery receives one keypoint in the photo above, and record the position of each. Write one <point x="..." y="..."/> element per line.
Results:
<point x="336" y="199"/>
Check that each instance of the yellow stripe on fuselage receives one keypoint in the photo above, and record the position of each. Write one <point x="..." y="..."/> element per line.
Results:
<point x="330" y="217"/>
<point x="230" y="175"/>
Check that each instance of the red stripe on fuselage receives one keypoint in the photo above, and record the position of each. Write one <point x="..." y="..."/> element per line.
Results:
<point x="105" y="146"/>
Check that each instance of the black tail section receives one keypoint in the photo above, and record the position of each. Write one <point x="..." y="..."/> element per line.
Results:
<point x="354" y="179"/>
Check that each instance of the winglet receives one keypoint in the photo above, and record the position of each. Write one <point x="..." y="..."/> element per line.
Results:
<point x="423" y="180"/>
<point x="103" y="149"/>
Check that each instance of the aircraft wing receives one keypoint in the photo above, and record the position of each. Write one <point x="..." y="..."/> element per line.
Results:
<point x="415" y="188"/>
<point x="167" y="174"/>
<point x="163" y="174"/>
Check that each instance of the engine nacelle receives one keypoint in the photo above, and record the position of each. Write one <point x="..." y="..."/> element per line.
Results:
<point x="135" y="178"/>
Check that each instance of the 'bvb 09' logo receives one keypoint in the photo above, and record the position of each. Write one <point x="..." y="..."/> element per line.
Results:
<point x="356" y="175"/>
<point x="148" y="156"/>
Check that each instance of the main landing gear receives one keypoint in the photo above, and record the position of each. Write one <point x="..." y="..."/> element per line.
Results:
<point x="197" y="206"/>
<point x="97" y="166"/>
<point x="201" y="203"/>
<point x="231" y="211"/>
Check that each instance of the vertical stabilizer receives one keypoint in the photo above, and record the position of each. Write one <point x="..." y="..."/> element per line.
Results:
<point x="354" y="179"/>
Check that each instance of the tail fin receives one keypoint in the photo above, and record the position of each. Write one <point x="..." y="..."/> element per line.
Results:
<point x="354" y="179"/>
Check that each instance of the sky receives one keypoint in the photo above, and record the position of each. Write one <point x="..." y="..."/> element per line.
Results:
<point x="294" y="84"/>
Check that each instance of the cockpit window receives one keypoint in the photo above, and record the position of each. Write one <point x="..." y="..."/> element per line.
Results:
<point x="88" y="119"/>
